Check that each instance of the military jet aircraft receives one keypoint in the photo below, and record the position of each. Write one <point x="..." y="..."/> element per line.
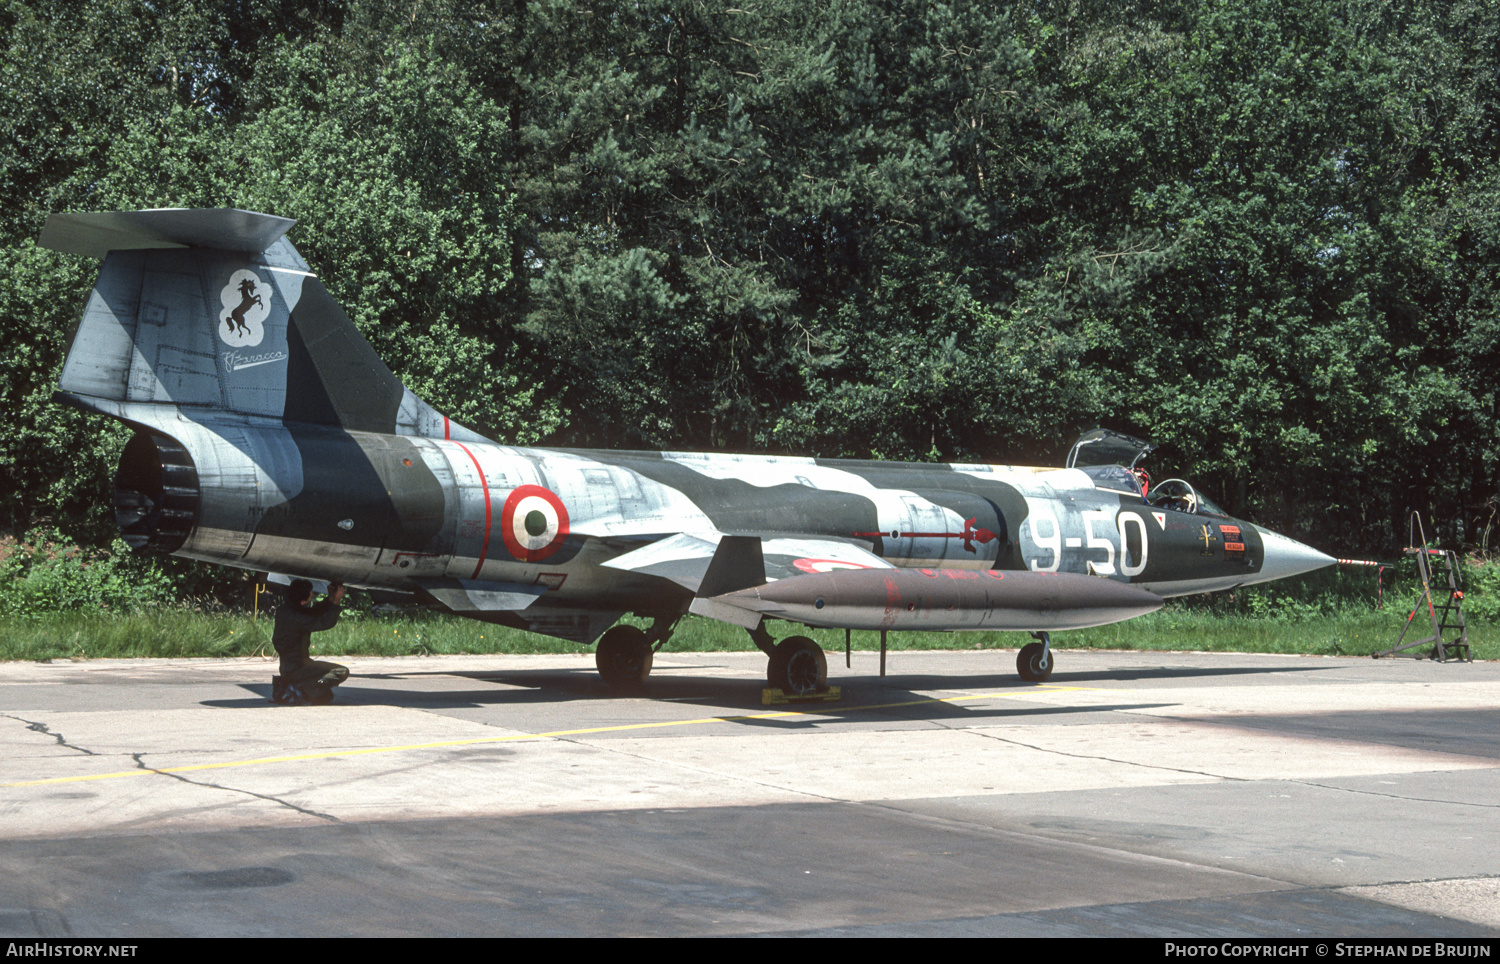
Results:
<point x="269" y="436"/>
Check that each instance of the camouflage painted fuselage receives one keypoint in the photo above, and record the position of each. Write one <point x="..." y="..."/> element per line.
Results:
<point x="270" y="436"/>
<point x="406" y="513"/>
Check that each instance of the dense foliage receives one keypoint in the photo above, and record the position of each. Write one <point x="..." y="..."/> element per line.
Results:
<point x="43" y="573"/>
<point x="1265" y="233"/>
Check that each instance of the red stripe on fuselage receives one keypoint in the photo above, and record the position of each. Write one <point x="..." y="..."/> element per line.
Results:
<point x="484" y="546"/>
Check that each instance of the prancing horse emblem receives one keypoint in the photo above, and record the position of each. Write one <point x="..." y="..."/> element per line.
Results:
<point x="247" y="304"/>
<point x="248" y="299"/>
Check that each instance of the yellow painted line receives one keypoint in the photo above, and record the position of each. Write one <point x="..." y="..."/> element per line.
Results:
<point x="555" y="734"/>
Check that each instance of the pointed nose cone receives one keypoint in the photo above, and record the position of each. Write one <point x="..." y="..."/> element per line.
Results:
<point x="1287" y="557"/>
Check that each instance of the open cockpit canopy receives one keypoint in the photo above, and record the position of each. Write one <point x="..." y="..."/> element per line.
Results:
<point x="1104" y="447"/>
<point x="1111" y="460"/>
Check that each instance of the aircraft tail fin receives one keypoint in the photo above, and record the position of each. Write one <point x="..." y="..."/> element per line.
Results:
<point x="214" y="311"/>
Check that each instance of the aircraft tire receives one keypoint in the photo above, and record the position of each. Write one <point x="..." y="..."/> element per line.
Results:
<point x="1029" y="663"/>
<point x="623" y="656"/>
<point x="798" y="667"/>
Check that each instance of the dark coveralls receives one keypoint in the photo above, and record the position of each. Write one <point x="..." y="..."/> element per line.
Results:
<point x="301" y="675"/>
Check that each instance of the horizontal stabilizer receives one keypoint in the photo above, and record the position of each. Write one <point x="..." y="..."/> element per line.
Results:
<point x="95" y="234"/>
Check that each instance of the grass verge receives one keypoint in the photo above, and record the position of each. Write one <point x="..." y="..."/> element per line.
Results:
<point x="178" y="634"/>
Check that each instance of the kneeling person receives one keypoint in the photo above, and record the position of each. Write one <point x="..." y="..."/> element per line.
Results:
<point x="304" y="679"/>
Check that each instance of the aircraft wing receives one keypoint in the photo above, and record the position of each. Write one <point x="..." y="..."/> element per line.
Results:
<point x="687" y="558"/>
<point x="713" y="564"/>
<point x="798" y="557"/>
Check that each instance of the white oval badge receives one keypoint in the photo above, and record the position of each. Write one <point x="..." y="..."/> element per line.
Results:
<point x="247" y="302"/>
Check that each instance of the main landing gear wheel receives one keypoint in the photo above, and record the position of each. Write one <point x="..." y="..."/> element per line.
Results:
<point x="623" y="656"/>
<point x="1034" y="663"/>
<point x="798" y="667"/>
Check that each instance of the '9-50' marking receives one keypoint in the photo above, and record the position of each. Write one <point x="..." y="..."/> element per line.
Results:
<point x="1052" y="541"/>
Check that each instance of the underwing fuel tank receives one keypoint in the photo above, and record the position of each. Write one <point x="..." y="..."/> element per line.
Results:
<point x="947" y="599"/>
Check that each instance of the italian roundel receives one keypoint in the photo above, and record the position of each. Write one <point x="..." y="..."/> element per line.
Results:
<point x="533" y="523"/>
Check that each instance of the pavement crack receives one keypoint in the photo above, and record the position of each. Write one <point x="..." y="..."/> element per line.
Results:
<point x="249" y="793"/>
<point x="45" y="730"/>
<point x="1216" y="776"/>
<point x="1094" y="756"/>
<point x="1396" y="796"/>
